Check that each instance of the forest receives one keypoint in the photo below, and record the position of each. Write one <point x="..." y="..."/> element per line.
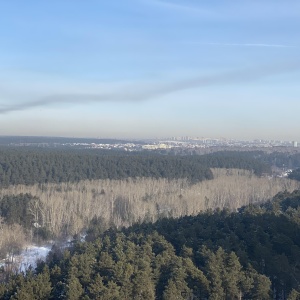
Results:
<point x="34" y="165"/>
<point x="215" y="226"/>
<point x="250" y="254"/>
<point x="29" y="167"/>
<point x="295" y="174"/>
<point x="63" y="209"/>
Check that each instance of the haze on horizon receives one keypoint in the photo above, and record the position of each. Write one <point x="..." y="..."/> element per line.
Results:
<point x="150" y="68"/>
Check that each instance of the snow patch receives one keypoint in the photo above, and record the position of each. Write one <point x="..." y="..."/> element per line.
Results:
<point x="28" y="257"/>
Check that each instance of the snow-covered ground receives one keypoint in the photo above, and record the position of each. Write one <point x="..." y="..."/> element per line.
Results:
<point x="28" y="257"/>
<point x="32" y="253"/>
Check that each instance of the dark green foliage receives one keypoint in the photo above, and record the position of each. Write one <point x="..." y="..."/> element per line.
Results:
<point x="250" y="254"/>
<point x="281" y="159"/>
<point x="295" y="174"/>
<point x="265" y="236"/>
<point x="115" y="267"/>
<point x="35" y="166"/>
<point x="294" y="295"/>
<point x="14" y="209"/>
<point x="138" y="266"/>
<point x="32" y="166"/>
<point x="249" y="160"/>
<point x="74" y="289"/>
<point x="29" y="287"/>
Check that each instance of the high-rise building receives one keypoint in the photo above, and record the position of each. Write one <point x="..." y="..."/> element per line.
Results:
<point x="295" y="144"/>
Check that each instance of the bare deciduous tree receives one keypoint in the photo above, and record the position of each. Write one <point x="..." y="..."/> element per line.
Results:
<point x="67" y="208"/>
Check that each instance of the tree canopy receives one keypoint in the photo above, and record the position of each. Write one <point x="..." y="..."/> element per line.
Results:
<point x="250" y="254"/>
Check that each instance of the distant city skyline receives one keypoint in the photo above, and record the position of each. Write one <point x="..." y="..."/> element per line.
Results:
<point x="150" y="68"/>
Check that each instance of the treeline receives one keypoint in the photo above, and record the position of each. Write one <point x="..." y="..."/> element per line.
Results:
<point x="65" y="209"/>
<point x="16" y="209"/>
<point x="53" y="141"/>
<point x="281" y="160"/>
<point x="18" y="214"/>
<point x="251" y="254"/>
<point x="295" y="174"/>
<point x="30" y="166"/>
<point x="265" y="236"/>
<point x="251" y="161"/>
<point x="138" y="266"/>
<point x="18" y="167"/>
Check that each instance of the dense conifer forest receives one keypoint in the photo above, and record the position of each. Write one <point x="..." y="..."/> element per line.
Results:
<point x="295" y="174"/>
<point x="250" y="254"/>
<point x="30" y="166"/>
<point x="281" y="160"/>
<point x="157" y="226"/>
<point x="149" y="150"/>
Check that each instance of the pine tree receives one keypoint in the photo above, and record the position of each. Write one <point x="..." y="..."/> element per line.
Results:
<point x="232" y="276"/>
<point x="112" y="292"/>
<point x="293" y="295"/>
<point x="171" y="292"/>
<point x="74" y="289"/>
<point x="215" y="269"/>
<point x="261" y="287"/>
<point x="143" y="287"/>
<point x="96" y="289"/>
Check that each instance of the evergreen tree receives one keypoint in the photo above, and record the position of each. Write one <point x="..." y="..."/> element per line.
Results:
<point x="74" y="289"/>
<point x="97" y="289"/>
<point x="293" y="295"/>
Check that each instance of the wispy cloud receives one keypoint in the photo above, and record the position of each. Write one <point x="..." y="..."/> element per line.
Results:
<point x="248" y="45"/>
<point x="154" y="90"/>
<point x="233" y="10"/>
<point x="183" y="8"/>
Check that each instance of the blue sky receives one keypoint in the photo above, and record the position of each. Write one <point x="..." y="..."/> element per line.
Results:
<point x="150" y="68"/>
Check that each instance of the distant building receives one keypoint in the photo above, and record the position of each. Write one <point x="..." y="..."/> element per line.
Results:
<point x="154" y="147"/>
<point x="295" y="144"/>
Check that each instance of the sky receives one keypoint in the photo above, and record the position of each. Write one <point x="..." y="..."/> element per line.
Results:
<point x="150" y="68"/>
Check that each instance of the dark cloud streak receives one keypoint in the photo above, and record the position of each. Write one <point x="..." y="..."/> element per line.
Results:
<point x="234" y="77"/>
